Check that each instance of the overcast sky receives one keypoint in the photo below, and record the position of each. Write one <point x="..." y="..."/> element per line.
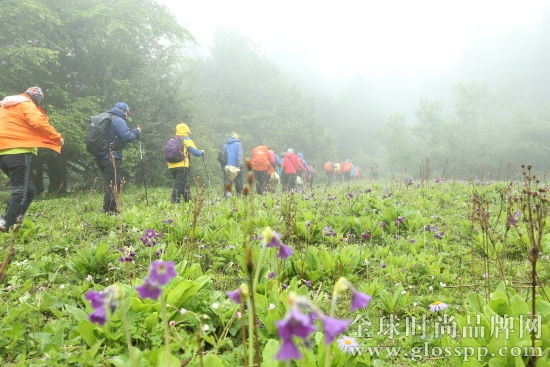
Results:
<point x="348" y="36"/>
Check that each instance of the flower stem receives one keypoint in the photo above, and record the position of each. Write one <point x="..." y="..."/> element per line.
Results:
<point x="124" y="317"/>
<point x="331" y="314"/>
<point x="164" y="321"/>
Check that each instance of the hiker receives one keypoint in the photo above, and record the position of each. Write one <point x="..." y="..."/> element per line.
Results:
<point x="338" y="171"/>
<point x="346" y="170"/>
<point x="24" y="127"/>
<point x="310" y="175"/>
<point x="260" y="163"/>
<point x="273" y="175"/>
<point x="291" y="165"/>
<point x="233" y="168"/>
<point x="180" y="170"/>
<point x="329" y="171"/>
<point x="110" y="163"/>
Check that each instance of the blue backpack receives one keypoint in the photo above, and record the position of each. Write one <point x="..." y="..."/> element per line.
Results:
<point x="173" y="149"/>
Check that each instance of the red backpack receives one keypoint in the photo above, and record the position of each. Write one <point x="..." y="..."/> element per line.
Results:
<point x="327" y="166"/>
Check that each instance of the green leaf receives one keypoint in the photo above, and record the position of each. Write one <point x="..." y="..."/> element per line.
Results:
<point x="76" y="312"/>
<point x="210" y="360"/>
<point x="185" y="290"/>
<point x="86" y="330"/>
<point x="166" y="359"/>
<point x="151" y="321"/>
<point x="269" y="352"/>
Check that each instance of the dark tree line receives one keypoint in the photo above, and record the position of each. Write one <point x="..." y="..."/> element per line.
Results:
<point x="89" y="54"/>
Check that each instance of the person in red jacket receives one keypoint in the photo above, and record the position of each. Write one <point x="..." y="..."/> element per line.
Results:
<point x="291" y="166"/>
<point x="24" y="127"/>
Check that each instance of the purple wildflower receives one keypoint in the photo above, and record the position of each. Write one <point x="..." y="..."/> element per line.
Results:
<point x="162" y="271"/>
<point x="359" y="300"/>
<point x="285" y="251"/>
<point x="399" y="220"/>
<point x="273" y="239"/>
<point x="294" y="324"/>
<point x="102" y="302"/>
<point x="365" y="235"/>
<point x="128" y="254"/>
<point x="329" y="232"/>
<point x="514" y="218"/>
<point x="332" y="327"/>
<point x="149" y="289"/>
<point x="235" y="295"/>
<point x="149" y="238"/>
<point x="383" y="224"/>
<point x="288" y="350"/>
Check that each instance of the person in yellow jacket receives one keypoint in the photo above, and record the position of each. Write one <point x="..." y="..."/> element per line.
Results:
<point x="180" y="170"/>
<point x="24" y="127"/>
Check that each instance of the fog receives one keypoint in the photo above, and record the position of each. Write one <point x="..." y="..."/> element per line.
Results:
<point x="364" y="61"/>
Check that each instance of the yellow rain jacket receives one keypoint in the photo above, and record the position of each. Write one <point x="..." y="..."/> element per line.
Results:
<point x="182" y="130"/>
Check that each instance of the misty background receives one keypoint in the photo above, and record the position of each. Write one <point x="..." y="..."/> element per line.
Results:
<point x="423" y="89"/>
<point x="470" y="101"/>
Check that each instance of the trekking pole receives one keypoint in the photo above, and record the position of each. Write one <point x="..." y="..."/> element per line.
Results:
<point x="143" y="171"/>
<point x="206" y="171"/>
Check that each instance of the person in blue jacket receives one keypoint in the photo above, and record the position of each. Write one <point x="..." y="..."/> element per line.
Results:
<point x="110" y="163"/>
<point x="234" y="159"/>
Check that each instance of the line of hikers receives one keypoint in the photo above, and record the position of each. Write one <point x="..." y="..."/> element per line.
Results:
<point x="341" y="172"/>
<point x="269" y="168"/>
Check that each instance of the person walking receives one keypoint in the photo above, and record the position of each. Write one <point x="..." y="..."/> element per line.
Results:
<point x="346" y="170"/>
<point x="291" y="165"/>
<point x="180" y="170"/>
<point x="273" y="175"/>
<point x="110" y="163"/>
<point x="260" y="163"/>
<point x="24" y="127"/>
<point x="233" y="167"/>
<point x="329" y="171"/>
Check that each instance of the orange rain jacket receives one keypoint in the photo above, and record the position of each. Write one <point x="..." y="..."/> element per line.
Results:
<point x="25" y="125"/>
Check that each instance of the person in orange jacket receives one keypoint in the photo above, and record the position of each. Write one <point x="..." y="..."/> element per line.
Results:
<point x="24" y="127"/>
<point x="260" y="162"/>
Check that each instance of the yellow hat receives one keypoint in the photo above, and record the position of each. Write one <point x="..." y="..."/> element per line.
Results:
<point x="182" y="129"/>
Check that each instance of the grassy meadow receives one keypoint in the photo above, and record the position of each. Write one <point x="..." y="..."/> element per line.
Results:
<point x="376" y="273"/>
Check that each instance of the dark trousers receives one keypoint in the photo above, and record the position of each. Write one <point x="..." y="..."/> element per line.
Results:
<point x="261" y="178"/>
<point x="112" y="178"/>
<point x="181" y="188"/>
<point x="289" y="181"/>
<point x="228" y="184"/>
<point x="18" y="169"/>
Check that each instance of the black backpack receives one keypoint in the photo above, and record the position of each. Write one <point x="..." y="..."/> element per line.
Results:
<point x="97" y="140"/>
<point x="173" y="150"/>
<point x="222" y="155"/>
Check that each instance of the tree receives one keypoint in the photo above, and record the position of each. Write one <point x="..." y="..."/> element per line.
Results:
<point x="86" y="57"/>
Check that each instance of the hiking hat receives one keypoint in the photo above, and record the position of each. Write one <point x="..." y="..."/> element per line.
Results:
<point x="122" y="106"/>
<point x="36" y="94"/>
<point x="235" y="136"/>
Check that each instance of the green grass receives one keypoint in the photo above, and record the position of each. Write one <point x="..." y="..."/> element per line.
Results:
<point x="405" y="245"/>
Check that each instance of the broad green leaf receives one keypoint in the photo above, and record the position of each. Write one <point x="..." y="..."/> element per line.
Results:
<point x="86" y="330"/>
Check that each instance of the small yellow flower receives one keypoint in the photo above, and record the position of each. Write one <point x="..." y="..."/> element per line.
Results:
<point x="243" y="289"/>
<point x="267" y="234"/>
<point x="341" y="286"/>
